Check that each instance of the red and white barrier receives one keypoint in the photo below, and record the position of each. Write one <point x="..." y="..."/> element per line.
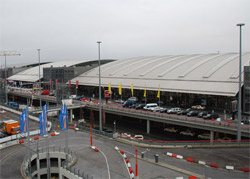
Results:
<point x="201" y="162"/>
<point x="127" y="162"/>
<point x="245" y="169"/>
<point x="36" y="138"/>
<point x="94" y="148"/>
<point x="190" y="159"/>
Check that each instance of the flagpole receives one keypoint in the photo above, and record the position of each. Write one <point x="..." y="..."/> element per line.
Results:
<point x="47" y="145"/>
<point x="27" y="110"/>
<point x="66" y="137"/>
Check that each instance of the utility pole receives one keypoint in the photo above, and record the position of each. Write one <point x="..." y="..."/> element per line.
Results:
<point x="239" y="94"/>
<point x="7" y="53"/>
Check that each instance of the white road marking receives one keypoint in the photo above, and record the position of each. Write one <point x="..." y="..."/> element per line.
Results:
<point x="106" y="162"/>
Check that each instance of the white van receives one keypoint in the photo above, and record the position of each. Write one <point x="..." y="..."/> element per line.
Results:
<point x="151" y="107"/>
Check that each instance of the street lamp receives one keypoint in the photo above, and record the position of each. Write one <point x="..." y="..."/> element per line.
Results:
<point x="39" y="79"/>
<point x="239" y="94"/>
<point x="7" y="53"/>
<point x="100" y="93"/>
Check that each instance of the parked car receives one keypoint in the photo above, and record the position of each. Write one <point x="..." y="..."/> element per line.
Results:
<point x="126" y="135"/>
<point x="139" y="106"/>
<point x="198" y="107"/>
<point x="173" y="110"/>
<point x="204" y="136"/>
<point x="151" y="107"/>
<point x="163" y="110"/>
<point x="128" y="103"/>
<point x="171" y="129"/>
<point x="140" y="137"/>
<point x="119" y="101"/>
<point x="160" y="103"/>
<point x="183" y="112"/>
<point x="72" y="96"/>
<point x="201" y="114"/>
<point x="79" y="97"/>
<point x="133" y="98"/>
<point x="211" y="116"/>
<point x="187" y="133"/>
<point x="192" y="113"/>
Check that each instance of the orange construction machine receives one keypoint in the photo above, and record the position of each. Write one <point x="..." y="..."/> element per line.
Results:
<point x="10" y="127"/>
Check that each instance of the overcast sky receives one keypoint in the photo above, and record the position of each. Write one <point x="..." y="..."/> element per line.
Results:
<point x="69" y="29"/>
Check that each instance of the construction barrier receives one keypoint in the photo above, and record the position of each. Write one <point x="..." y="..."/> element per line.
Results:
<point x="245" y="169"/>
<point x="94" y="148"/>
<point x="174" y="155"/>
<point x="190" y="159"/>
<point x="36" y="138"/>
<point x="192" y="177"/>
<point x="202" y="162"/>
<point x="179" y="157"/>
<point x="213" y="165"/>
<point x="127" y="161"/>
<point x="230" y="167"/>
<point x="122" y="152"/>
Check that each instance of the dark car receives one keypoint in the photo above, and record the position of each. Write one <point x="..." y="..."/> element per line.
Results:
<point x="192" y="113"/>
<point x="201" y="114"/>
<point x="139" y="106"/>
<point x="128" y="103"/>
<point x="211" y="116"/>
<point x="184" y="112"/>
<point x="163" y="110"/>
<point x="160" y="103"/>
<point x="79" y="97"/>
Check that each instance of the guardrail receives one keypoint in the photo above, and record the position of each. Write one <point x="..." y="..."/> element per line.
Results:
<point x="185" y="143"/>
<point x="174" y="118"/>
<point x="18" y="136"/>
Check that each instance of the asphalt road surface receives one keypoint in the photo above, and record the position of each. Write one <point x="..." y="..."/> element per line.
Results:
<point x="108" y="162"/>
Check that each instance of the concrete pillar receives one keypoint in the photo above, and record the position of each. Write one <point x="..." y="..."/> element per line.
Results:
<point x="211" y="137"/>
<point x="71" y="111"/>
<point x="81" y="114"/>
<point x="38" y="167"/>
<point x="103" y="118"/>
<point x="148" y="126"/>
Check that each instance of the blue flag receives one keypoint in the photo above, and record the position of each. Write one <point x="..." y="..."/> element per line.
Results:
<point x="42" y="124"/>
<point x="45" y="113"/>
<point x="23" y="121"/>
<point x="63" y="118"/>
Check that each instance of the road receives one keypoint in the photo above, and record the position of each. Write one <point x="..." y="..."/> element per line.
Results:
<point x="95" y="164"/>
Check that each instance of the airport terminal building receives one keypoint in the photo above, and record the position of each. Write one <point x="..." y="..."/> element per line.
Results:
<point x="211" y="80"/>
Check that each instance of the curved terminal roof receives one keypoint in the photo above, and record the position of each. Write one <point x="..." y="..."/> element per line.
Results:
<point x="32" y="74"/>
<point x="211" y="74"/>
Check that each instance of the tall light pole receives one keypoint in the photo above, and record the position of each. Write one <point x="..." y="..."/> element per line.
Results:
<point x="7" y="53"/>
<point x="239" y="94"/>
<point x="100" y="90"/>
<point x="39" y="79"/>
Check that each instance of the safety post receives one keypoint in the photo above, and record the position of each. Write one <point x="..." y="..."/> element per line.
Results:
<point x="136" y="163"/>
<point x="91" y="142"/>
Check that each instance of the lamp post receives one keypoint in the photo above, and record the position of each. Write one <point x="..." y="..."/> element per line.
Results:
<point x="100" y="92"/>
<point x="39" y="79"/>
<point x="5" y="74"/>
<point x="7" y="53"/>
<point x="239" y="94"/>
